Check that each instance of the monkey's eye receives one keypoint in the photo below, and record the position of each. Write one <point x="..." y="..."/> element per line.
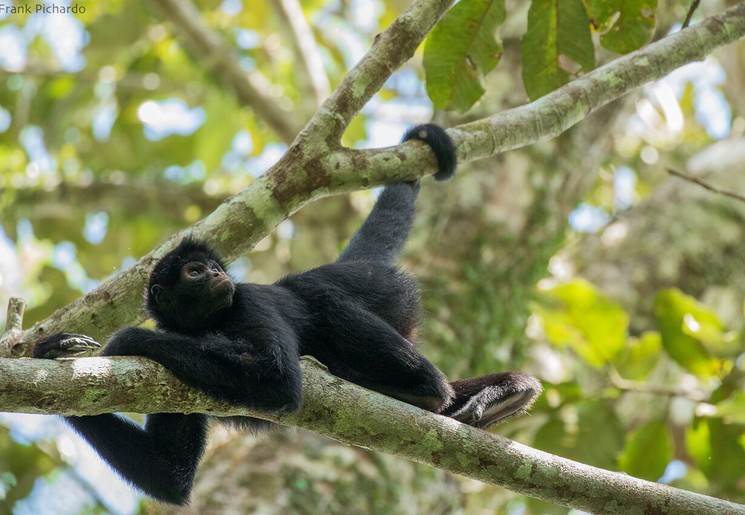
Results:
<point x="194" y="270"/>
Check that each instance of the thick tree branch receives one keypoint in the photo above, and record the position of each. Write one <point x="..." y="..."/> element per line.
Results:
<point x="315" y="166"/>
<point x="352" y="415"/>
<point x="391" y="49"/>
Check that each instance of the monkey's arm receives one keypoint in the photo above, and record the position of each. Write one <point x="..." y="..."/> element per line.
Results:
<point x="161" y="459"/>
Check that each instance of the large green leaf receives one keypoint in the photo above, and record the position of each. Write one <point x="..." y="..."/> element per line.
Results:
<point x="626" y="24"/>
<point x="460" y="51"/>
<point x="647" y="452"/>
<point x="685" y="325"/>
<point x="576" y="314"/>
<point x="556" y="46"/>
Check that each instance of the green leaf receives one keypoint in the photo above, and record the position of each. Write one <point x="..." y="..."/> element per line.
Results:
<point x="570" y="439"/>
<point x="647" y="452"/>
<point x="639" y="356"/>
<point x="716" y="449"/>
<point x="626" y="24"/>
<point x="460" y="51"/>
<point x="697" y="442"/>
<point x="576" y="314"/>
<point x="683" y="324"/>
<point x="732" y="410"/>
<point x="556" y="46"/>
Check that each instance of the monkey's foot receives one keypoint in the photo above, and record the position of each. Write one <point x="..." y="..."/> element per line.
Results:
<point x="65" y="345"/>
<point x="484" y="401"/>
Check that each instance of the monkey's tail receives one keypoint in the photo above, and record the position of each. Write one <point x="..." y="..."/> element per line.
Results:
<point x="440" y="143"/>
<point x="382" y="236"/>
<point x="384" y="233"/>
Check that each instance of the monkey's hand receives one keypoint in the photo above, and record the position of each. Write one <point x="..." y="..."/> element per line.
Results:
<point x="65" y="345"/>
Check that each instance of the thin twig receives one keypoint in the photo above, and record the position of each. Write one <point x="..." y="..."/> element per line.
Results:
<point x="14" y="320"/>
<point x="706" y="185"/>
<point x="691" y="10"/>
<point x="627" y="385"/>
<point x="13" y="326"/>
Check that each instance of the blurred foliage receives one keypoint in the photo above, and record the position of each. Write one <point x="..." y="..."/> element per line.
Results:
<point x="691" y="342"/>
<point x="20" y="466"/>
<point x="113" y="137"/>
<point x="316" y="474"/>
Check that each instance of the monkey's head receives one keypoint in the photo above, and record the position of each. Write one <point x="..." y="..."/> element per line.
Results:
<point x="188" y="287"/>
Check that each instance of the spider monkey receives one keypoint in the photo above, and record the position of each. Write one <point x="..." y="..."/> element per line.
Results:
<point x="241" y="342"/>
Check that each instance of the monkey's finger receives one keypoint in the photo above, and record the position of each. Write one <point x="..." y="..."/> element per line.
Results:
<point x="78" y="340"/>
<point x="75" y="345"/>
<point x="72" y="352"/>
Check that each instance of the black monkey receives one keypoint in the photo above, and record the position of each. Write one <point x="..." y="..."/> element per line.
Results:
<point x="242" y="342"/>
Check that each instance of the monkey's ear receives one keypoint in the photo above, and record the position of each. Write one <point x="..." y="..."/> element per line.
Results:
<point x="160" y="295"/>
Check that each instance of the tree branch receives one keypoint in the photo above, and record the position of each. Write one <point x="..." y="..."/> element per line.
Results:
<point x="215" y="54"/>
<point x="556" y="112"/>
<point x="315" y="166"/>
<point x="351" y="415"/>
<point x="691" y="11"/>
<point x="13" y="325"/>
<point x="165" y="199"/>
<point x="391" y="49"/>
<point x="305" y="48"/>
<point x="706" y="185"/>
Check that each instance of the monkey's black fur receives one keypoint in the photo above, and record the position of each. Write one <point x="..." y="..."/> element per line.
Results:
<point x="242" y="342"/>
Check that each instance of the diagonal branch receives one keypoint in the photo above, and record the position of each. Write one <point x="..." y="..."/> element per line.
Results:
<point x="556" y="112"/>
<point x="706" y="185"/>
<point x="305" y="48"/>
<point x="209" y="48"/>
<point x="391" y="49"/>
<point x="315" y="166"/>
<point x="354" y="416"/>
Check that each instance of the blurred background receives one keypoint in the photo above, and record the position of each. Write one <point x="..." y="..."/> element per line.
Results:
<point x="580" y="259"/>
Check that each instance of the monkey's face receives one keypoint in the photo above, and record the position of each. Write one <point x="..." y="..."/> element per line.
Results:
<point x="204" y="288"/>
<point x="201" y="290"/>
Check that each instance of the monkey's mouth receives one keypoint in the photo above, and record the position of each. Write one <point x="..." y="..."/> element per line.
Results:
<point x="220" y="300"/>
<point x="222" y="284"/>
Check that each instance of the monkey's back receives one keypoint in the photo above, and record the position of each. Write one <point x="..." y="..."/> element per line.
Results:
<point x="386" y="291"/>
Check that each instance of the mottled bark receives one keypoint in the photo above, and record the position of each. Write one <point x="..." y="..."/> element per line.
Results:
<point x="354" y="416"/>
